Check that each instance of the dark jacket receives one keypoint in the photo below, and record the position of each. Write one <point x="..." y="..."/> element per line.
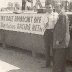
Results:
<point x="61" y="31"/>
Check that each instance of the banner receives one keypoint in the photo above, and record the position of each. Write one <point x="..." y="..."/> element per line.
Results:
<point x="29" y="23"/>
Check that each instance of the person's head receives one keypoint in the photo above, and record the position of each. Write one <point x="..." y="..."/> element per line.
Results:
<point x="49" y="8"/>
<point x="58" y="7"/>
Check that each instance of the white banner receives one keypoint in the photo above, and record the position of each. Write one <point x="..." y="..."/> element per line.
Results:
<point x="30" y="23"/>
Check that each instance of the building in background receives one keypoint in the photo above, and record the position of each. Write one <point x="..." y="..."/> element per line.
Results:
<point x="33" y="4"/>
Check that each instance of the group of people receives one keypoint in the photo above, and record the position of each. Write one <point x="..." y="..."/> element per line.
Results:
<point x="56" y="36"/>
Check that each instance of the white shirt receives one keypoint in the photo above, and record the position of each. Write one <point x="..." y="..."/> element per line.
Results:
<point x="50" y="20"/>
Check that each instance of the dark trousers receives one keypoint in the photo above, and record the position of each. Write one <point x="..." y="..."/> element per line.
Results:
<point x="59" y="60"/>
<point x="48" y="40"/>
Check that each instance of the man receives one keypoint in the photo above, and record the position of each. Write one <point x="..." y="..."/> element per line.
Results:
<point x="61" y="39"/>
<point x="49" y="21"/>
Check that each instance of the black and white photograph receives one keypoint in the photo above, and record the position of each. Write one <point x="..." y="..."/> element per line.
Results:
<point x="35" y="35"/>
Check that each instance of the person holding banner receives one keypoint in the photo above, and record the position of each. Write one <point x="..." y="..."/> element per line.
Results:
<point x="50" y="19"/>
<point x="61" y="39"/>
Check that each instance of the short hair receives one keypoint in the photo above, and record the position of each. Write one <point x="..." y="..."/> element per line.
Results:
<point x="59" y="4"/>
<point x="48" y="4"/>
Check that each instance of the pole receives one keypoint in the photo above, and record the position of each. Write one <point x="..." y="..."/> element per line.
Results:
<point x="32" y="4"/>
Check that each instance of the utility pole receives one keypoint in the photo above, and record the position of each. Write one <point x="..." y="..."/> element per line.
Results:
<point x="23" y="4"/>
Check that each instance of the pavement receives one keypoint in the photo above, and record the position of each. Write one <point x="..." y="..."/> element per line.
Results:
<point x="18" y="60"/>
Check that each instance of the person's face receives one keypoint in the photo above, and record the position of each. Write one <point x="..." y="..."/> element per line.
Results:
<point x="49" y="8"/>
<point x="58" y="8"/>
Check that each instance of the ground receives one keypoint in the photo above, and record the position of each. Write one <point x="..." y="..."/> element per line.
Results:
<point x="18" y="60"/>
